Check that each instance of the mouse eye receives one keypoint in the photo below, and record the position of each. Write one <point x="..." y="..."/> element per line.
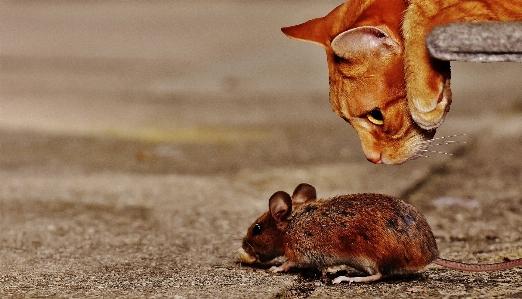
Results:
<point x="256" y="230"/>
<point x="375" y="117"/>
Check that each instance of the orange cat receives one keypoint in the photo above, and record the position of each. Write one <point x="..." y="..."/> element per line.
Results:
<point x="382" y="80"/>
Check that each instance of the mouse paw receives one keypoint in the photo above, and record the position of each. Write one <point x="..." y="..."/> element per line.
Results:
<point x="370" y="278"/>
<point x="335" y="269"/>
<point x="276" y="269"/>
<point x="283" y="268"/>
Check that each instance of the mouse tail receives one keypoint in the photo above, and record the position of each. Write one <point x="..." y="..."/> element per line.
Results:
<point x="477" y="267"/>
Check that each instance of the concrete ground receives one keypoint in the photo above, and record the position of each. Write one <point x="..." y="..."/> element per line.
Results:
<point x="139" y="139"/>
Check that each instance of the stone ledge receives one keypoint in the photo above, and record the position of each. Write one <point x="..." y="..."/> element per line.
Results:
<point x="477" y="42"/>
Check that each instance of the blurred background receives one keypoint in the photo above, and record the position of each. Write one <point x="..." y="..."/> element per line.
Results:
<point x="196" y="74"/>
<point x="189" y="76"/>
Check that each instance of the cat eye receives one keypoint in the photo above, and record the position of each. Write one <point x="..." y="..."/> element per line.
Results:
<point x="375" y="117"/>
<point x="256" y="230"/>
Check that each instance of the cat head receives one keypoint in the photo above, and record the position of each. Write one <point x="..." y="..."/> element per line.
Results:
<point x="364" y="52"/>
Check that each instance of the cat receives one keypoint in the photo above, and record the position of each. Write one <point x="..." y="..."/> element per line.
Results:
<point x="382" y="80"/>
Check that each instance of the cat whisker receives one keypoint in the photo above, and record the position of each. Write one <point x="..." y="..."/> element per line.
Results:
<point x="424" y="146"/>
<point x="447" y="142"/>
<point x="446" y="137"/>
<point x="442" y="141"/>
<point x="437" y="152"/>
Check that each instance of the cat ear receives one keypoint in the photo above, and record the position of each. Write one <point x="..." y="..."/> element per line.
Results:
<point x="280" y="206"/>
<point x="303" y="193"/>
<point x="310" y="31"/>
<point x="362" y="41"/>
<point x="319" y="30"/>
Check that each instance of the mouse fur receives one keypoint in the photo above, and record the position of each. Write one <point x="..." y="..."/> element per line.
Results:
<point x="377" y="234"/>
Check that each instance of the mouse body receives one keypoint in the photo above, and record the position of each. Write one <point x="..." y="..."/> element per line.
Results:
<point x="374" y="233"/>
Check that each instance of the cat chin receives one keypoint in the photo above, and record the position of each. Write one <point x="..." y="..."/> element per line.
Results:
<point x="400" y="161"/>
<point x="390" y="151"/>
<point x="395" y="161"/>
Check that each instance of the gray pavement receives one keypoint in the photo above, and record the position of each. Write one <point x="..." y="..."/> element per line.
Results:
<point x="139" y="139"/>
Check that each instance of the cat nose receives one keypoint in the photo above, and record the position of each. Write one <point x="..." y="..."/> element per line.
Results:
<point x="375" y="159"/>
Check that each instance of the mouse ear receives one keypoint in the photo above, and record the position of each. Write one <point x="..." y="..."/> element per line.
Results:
<point x="303" y="193"/>
<point x="362" y="42"/>
<point x="280" y="205"/>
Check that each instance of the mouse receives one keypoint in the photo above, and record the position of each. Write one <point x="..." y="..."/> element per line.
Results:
<point x="377" y="234"/>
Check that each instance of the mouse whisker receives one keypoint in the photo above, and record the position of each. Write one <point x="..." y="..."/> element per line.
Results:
<point x="233" y="236"/>
<point x="248" y="244"/>
<point x="236" y="234"/>
<point x="231" y="256"/>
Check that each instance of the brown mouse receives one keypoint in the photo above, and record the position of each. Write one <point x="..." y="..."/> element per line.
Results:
<point x="377" y="234"/>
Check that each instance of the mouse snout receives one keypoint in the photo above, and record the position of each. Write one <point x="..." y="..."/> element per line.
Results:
<point x="247" y="254"/>
<point x="248" y="248"/>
